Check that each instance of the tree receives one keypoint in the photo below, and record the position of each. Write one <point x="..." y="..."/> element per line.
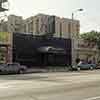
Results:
<point x="92" y="37"/>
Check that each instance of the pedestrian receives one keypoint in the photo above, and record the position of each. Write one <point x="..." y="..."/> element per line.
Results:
<point x="81" y="61"/>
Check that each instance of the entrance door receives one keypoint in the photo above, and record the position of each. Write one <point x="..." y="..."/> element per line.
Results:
<point x="51" y="59"/>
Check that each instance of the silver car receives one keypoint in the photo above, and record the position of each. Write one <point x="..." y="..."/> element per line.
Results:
<point x="12" y="68"/>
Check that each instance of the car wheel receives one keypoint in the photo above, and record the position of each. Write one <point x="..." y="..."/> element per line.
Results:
<point x="91" y="68"/>
<point x="78" y="69"/>
<point x="21" y="71"/>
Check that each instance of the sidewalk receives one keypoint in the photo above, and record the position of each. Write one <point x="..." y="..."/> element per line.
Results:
<point x="45" y="70"/>
<point x="34" y="70"/>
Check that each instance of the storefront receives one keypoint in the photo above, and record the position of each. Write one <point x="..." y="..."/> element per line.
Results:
<point x="40" y="51"/>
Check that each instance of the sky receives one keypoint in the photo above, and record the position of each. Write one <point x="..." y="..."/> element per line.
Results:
<point x="89" y="18"/>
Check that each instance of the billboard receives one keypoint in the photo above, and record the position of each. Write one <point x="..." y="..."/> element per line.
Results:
<point x="5" y="38"/>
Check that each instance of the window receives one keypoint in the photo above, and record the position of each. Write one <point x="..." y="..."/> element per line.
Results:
<point x="69" y="27"/>
<point x="60" y="29"/>
<point x="37" y="26"/>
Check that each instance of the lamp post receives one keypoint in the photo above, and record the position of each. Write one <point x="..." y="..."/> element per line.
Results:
<point x="78" y="10"/>
<point x="74" y="40"/>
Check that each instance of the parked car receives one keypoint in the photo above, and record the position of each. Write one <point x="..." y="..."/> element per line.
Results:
<point x="84" y="66"/>
<point x="12" y="68"/>
<point x="98" y="66"/>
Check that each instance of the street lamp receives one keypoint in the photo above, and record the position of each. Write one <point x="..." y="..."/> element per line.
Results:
<point x="78" y="10"/>
<point x="74" y="55"/>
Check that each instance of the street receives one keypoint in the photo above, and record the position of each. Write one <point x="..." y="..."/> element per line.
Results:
<point x="83" y="85"/>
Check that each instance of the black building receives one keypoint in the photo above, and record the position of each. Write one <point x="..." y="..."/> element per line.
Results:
<point x="41" y="50"/>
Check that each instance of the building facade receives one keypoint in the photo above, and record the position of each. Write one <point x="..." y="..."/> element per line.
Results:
<point x="42" y="24"/>
<point x="13" y="24"/>
<point x="87" y="51"/>
<point x="40" y="51"/>
<point x="46" y="24"/>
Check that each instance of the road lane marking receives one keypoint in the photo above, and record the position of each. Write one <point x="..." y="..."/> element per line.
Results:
<point x="93" y="98"/>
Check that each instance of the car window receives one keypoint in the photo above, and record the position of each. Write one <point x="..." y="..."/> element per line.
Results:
<point x="12" y="64"/>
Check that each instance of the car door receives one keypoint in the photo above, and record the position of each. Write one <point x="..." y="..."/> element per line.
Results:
<point x="87" y="66"/>
<point x="15" y="67"/>
<point x="8" y="68"/>
<point x="3" y="68"/>
<point x="84" y="66"/>
<point x="12" y="68"/>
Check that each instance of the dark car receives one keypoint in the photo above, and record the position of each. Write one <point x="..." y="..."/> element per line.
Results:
<point x="12" y="68"/>
<point x="98" y="66"/>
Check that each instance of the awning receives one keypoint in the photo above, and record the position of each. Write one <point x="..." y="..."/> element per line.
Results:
<point x="49" y="49"/>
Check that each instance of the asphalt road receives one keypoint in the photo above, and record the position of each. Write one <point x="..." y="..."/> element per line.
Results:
<point x="84" y="85"/>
